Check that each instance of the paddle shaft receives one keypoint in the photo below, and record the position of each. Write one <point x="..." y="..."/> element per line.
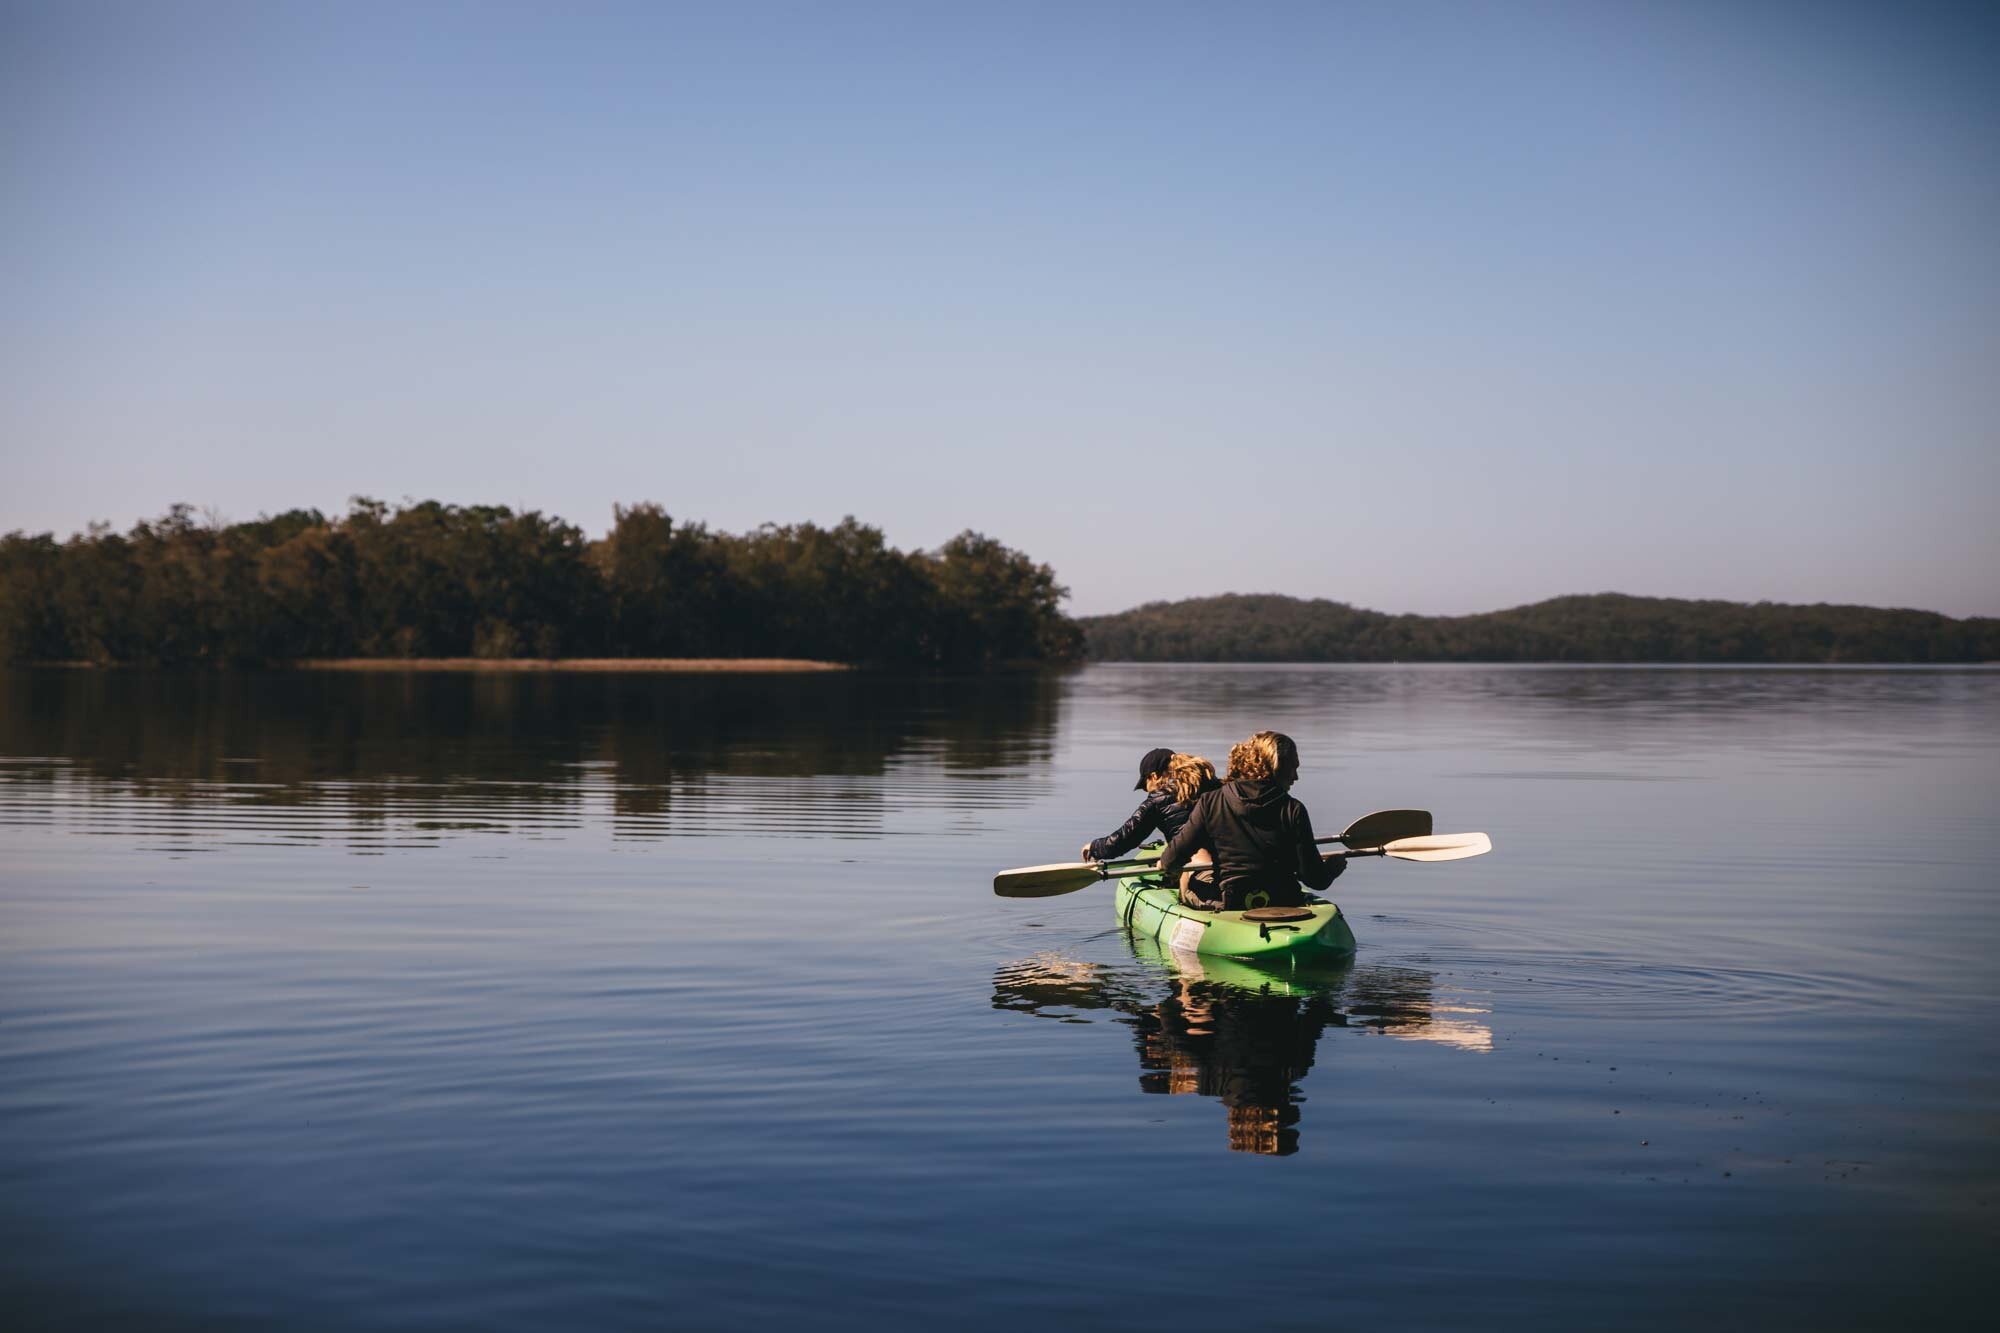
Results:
<point x="1382" y="828"/>
<point x="1405" y="849"/>
<point x="1126" y="869"/>
<point x="1148" y="861"/>
<point x="1048" y="881"/>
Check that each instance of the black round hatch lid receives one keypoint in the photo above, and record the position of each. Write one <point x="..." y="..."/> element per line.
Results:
<point x="1277" y="914"/>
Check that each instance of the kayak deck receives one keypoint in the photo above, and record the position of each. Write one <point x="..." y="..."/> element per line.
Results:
<point x="1150" y="909"/>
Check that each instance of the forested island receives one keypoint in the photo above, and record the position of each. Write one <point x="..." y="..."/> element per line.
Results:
<point x="1605" y="627"/>
<point x="433" y="580"/>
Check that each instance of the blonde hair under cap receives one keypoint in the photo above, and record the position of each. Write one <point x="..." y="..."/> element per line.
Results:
<point x="1190" y="774"/>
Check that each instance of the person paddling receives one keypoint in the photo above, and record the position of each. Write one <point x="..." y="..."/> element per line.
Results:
<point x="1260" y="836"/>
<point x="1172" y="782"/>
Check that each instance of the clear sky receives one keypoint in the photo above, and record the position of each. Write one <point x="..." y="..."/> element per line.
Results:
<point x="1432" y="307"/>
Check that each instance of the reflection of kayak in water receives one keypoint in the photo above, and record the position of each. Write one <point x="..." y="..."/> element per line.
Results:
<point x="1395" y="1002"/>
<point x="1229" y="1029"/>
<point x="1313" y="933"/>
<point x="1245" y="1044"/>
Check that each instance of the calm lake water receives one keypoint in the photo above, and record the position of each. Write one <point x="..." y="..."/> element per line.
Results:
<point x="527" y="1002"/>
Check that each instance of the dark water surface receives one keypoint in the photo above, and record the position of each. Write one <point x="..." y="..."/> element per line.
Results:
<point x="523" y="1002"/>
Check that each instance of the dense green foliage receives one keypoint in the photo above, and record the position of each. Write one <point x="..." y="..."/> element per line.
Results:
<point x="442" y="580"/>
<point x="1608" y="627"/>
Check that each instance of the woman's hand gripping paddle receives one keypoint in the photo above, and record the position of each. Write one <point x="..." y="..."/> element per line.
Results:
<point x="1369" y="835"/>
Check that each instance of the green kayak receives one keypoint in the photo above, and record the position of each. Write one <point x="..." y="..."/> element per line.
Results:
<point x="1313" y="933"/>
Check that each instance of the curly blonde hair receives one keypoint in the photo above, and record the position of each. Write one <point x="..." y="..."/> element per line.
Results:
<point x="1265" y="756"/>
<point x="1190" y="775"/>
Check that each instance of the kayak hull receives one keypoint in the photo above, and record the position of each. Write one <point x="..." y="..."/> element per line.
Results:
<point x="1153" y="911"/>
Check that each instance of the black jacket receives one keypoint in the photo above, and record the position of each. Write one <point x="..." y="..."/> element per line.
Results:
<point x="1261" y="839"/>
<point x="1158" y="811"/>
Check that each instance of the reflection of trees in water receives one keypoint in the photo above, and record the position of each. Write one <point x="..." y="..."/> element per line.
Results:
<point x="503" y="746"/>
<point x="1222" y="1029"/>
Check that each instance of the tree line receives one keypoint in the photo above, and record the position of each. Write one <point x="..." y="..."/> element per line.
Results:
<point x="1606" y="627"/>
<point x="428" y="579"/>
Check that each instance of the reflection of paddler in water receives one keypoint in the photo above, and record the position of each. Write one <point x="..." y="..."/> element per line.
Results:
<point x="1230" y="1031"/>
<point x="1248" y="1050"/>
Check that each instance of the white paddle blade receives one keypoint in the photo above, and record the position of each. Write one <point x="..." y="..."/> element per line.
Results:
<point x="1045" y="881"/>
<point x="1442" y="847"/>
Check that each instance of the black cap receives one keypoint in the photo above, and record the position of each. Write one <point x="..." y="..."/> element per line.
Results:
<point x="1154" y="762"/>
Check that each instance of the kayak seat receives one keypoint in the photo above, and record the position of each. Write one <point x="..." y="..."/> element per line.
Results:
<point x="1276" y="914"/>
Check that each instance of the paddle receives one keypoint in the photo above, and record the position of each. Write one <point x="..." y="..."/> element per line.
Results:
<point x="1385" y="826"/>
<point x="1368" y="831"/>
<point x="1053" y="880"/>
<point x="1442" y="847"/>
<point x="1400" y="833"/>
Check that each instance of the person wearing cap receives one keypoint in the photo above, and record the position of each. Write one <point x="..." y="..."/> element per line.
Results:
<point x="1172" y="782"/>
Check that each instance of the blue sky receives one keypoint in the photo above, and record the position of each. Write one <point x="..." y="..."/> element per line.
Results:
<point x="1432" y="307"/>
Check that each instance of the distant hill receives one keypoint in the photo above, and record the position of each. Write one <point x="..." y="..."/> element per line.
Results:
<point x="1604" y="627"/>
